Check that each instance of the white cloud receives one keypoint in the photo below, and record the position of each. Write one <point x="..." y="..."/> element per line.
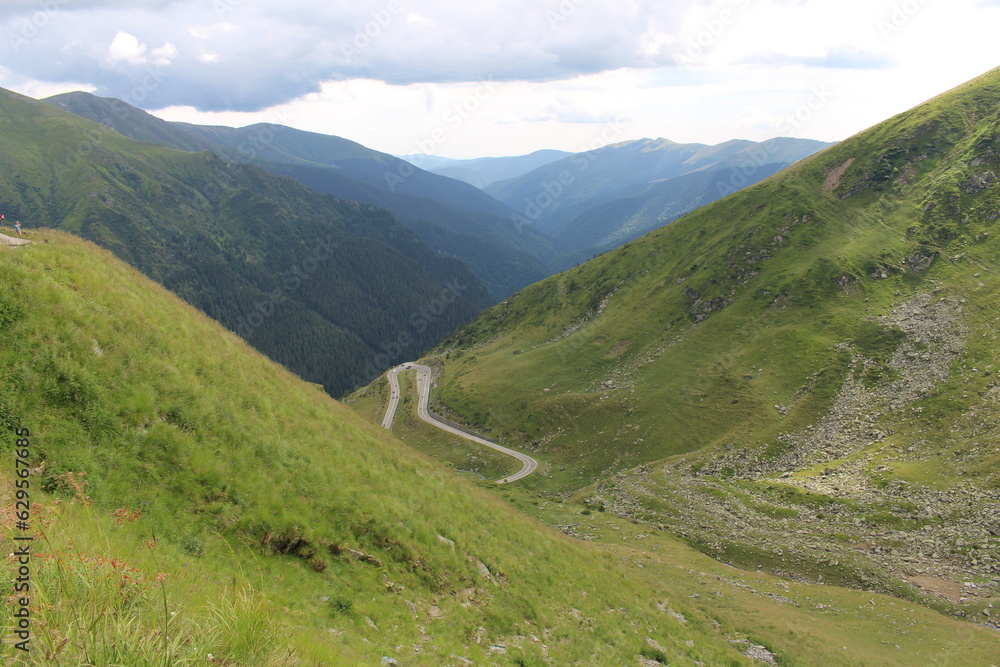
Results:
<point x="165" y="54"/>
<point x="126" y="48"/>
<point x="38" y="89"/>
<point x="689" y="70"/>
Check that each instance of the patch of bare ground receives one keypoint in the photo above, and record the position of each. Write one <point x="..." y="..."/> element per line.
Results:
<point x="620" y="347"/>
<point x="835" y="175"/>
<point x="942" y="587"/>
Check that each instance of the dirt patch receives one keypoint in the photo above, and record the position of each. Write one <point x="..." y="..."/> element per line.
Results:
<point x="943" y="587"/>
<point x="835" y="175"/>
<point x="619" y="347"/>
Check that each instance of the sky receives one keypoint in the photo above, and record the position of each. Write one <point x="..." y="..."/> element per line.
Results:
<point x="465" y="80"/>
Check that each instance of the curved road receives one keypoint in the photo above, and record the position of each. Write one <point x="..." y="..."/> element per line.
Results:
<point x="424" y="391"/>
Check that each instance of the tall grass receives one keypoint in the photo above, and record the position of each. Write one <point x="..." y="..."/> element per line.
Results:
<point x="105" y="592"/>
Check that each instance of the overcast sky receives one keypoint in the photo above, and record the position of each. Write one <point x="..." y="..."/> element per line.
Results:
<point x="464" y="79"/>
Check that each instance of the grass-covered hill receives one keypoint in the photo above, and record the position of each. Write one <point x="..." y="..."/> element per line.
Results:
<point x="336" y="291"/>
<point x="450" y="216"/>
<point x="191" y="502"/>
<point x="799" y="377"/>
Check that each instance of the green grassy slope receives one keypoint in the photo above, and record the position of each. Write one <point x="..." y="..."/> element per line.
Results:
<point x="813" y="358"/>
<point x="157" y="409"/>
<point x="323" y="286"/>
<point x="192" y="502"/>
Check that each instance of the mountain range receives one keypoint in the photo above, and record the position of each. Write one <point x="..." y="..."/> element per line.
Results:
<point x="596" y="201"/>
<point x="768" y="432"/>
<point x="799" y="378"/>
<point x="230" y="254"/>
<point x="485" y="171"/>
<point x="509" y="234"/>
<point x="452" y="217"/>
<point x="334" y="290"/>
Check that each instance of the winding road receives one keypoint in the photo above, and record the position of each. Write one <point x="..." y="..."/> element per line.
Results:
<point x="424" y="392"/>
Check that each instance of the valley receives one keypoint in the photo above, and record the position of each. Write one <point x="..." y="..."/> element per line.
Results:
<point x="625" y="366"/>
<point x="798" y="379"/>
<point x="187" y="491"/>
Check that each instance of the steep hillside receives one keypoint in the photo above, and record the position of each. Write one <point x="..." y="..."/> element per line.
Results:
<point x="452" y="217"/>
<point x="193" y="503"/>
<point x="504" y="257"/>
<point x="804" y="372"/>
<point x="335" y="291"/>
<point x="449" y="215"/>
<point x="595" y="201"/>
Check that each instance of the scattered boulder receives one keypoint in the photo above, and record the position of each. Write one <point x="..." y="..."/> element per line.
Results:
<point x="878" y="273"/>
<point x="979" y="182"/>
<point x="704" y="310"/>
<point x="918" y="262"/>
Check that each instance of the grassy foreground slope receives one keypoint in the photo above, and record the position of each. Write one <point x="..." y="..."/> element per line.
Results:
<point x="813" y="360"/>
<point x="191" y="498"/>
<point x="194" y="503"/>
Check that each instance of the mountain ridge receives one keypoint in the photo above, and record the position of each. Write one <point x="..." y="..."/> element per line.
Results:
<point x="812" y="355"/>
<point x="635" y="176"/>
<point x="451" y="216"/>
<point x="235" y="240"/>
<point x="484" y="171"/>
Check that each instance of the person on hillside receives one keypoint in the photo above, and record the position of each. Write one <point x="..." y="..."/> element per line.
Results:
<point x="17" y="227"/>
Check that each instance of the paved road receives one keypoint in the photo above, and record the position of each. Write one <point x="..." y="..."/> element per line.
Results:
<point x="424" y="391"/>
